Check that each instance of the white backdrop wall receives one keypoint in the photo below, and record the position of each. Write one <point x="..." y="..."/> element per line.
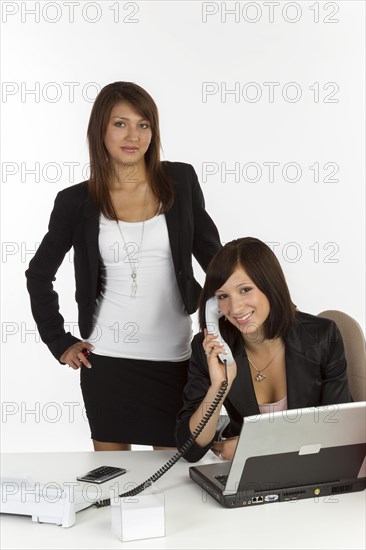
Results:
<point x="265" y="99"/>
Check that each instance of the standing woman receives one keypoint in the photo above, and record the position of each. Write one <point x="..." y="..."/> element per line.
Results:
<point x="134" y="226"/>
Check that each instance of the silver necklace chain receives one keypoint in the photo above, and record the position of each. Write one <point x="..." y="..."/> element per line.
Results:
<point x="261" y="376"/>
<point x="132" y="266"/>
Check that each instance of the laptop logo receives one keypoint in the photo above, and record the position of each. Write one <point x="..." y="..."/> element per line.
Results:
<point x="310" y="449"/>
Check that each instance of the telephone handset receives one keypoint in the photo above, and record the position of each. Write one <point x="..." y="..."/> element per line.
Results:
<point x="213" y="315"/>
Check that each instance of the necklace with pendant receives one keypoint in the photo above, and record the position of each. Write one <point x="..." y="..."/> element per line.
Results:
<point x="134" y="264"/>
<point x="261" y="376"/>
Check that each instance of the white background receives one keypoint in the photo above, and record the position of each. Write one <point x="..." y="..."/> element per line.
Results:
<point x="298" y="72"/>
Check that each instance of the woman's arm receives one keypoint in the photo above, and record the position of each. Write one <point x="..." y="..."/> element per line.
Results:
<point x="41" y="275"/>
<point x="334" y="369"/>
<point x="206" y="238"/>
<point x="205" y="377"/>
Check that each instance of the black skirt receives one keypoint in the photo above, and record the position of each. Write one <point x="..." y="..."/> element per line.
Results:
<point x="133" y="401"/>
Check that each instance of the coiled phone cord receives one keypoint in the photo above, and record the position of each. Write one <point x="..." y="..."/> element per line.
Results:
<point x="178" y="455"/>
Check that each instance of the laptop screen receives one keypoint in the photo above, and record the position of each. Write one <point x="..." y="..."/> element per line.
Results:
<point x="299" y="447"/>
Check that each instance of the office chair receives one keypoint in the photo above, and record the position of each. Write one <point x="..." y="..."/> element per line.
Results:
<point x="354" y="346"/>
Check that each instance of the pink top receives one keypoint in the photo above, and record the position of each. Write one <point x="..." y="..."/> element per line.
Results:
<point x="274" y="407"/>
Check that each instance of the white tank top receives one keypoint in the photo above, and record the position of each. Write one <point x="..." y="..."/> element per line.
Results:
<point x="153" y="325"/>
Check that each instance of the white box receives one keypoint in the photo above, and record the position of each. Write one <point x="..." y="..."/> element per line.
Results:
<point x="138" y="517"/>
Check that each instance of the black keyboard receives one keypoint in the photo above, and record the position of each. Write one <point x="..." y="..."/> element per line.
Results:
<point x="222" y="479"/>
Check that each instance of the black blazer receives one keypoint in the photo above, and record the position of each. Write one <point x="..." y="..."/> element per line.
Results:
<point x="74" y="222"/>
<point x="316" y="374"/>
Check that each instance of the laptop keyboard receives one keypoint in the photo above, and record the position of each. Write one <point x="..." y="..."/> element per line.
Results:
<point x="222" y="479"/>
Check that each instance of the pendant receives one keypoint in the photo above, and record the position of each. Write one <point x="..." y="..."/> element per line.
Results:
<point x="133" y="285"/>
<point x="260" y="377"/>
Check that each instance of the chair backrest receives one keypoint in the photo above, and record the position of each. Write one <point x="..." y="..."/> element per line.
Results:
<point x="354" y="346"/>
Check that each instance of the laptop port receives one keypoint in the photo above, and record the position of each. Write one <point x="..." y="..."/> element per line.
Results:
<point x="256" y="500"/>
<point x="271" y="498"/>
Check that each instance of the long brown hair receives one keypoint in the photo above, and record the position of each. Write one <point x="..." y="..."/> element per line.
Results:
<point x="100" y="169"/>
<point x="264" y="269"/>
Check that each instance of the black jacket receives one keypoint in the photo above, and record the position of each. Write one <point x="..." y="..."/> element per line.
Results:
<point x="74" y="222"/>
<point x="316" y="374"/>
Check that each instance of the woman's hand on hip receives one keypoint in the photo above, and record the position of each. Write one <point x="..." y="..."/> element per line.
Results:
<point x="74" y="356"/>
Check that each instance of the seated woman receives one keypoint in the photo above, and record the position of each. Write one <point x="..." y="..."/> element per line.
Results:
<point x="283" y="358"/>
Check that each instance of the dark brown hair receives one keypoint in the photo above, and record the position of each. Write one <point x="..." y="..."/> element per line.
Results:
<point x="100" y="170"/>
<point x="264" y="269"/>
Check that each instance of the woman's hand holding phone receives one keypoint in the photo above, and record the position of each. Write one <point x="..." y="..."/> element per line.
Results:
<point x="217" y="369"/>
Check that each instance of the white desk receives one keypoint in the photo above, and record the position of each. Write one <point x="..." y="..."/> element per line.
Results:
<point x="193" y="519"/>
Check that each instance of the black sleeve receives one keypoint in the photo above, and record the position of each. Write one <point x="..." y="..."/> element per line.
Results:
<point x="334" y="369"/>
<point x="41" y="275"/>
<point x="198" y="383"/>
<point x="206" y="238"/>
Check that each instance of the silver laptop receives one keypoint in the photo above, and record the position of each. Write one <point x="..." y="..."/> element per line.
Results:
<point x="290" y="455"/>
